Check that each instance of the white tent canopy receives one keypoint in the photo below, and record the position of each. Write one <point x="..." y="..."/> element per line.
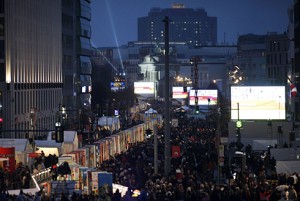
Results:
<point x="151" y="111"/>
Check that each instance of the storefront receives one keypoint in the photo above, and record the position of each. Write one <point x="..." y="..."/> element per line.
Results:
<point x="7" y="158"/>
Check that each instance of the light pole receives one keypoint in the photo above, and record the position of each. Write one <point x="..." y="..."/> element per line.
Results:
<point x="167" y="129"/>
<point x="79" y="120"/>
<point x="195" y="60"/>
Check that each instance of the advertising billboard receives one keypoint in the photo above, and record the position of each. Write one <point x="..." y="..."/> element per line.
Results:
<point x="258" y="102"/>
<point x="205" y="96"/>
<point x="180" y="92"/>
<point x="144" y="87"/>
<point x="116" y="86"/>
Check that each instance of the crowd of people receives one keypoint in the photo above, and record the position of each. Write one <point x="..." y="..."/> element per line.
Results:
<point x="195" y="173"/>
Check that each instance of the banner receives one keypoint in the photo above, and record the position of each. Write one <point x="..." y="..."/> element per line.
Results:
<point x="175" y="151"/>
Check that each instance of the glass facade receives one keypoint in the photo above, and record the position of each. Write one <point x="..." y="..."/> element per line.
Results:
<point x="85" y="9"/>
<point x="85" y="65"/>
<point x="85" y="46"/>
<point x="85" y="28"/>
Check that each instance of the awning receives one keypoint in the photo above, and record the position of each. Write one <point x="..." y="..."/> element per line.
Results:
<point x="34" y="155"/>
<point x="3" y="159"/>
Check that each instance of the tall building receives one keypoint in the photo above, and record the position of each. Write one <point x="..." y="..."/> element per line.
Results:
<point x="192" y="26"/>
<point x="76" y="62"/>
<point x="30" y="66"/>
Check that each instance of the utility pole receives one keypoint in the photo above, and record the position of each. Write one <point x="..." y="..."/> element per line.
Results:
<point x="167" y="128"/>
<point x="238" y="128"/>
<point x="155" y="149"/>
<point x="195" y="60"/>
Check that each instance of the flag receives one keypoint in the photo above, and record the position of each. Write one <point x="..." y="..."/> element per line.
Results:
<point x="175" y="151"/>
<point x="293" y="90"/>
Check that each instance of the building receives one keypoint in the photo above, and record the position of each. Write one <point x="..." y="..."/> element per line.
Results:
<point x="30" y="66"/>
<point x="76" y="62"/>
<point x="192" y="26"/>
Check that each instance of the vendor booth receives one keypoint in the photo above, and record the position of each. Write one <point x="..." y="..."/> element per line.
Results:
<point x="109" y="123"/>
<point x="48" y="147"/>
<point x="22" y="148"/>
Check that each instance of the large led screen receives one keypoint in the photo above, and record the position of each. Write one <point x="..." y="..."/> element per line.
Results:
<point x="257" y="102"/>
<point x="144" y="87"/>
<point x="116" y="86"/>
<point x="205" y="97"/>
<point x="180" y="92"/>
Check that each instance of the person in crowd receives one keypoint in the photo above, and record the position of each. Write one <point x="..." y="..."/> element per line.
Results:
<point x="21" y="196"/>
<point x="116" y="196"/>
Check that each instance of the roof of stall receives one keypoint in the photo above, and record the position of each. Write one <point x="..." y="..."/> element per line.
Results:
<point x="47" y="143"/>
<point x="19" y="144"/>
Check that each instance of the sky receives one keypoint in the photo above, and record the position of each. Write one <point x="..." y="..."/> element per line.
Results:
<point x="114" y="22"/>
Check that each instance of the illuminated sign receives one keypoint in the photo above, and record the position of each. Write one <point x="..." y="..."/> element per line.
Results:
<point x="116" y="86"/>
<point x="205" y="97"/>
<point x="180" y="92"/>
<point x="144" y="87"/>
<point x="258" y="102"/>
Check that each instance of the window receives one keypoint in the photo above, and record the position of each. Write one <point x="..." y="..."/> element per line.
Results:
<point x="86" y="66"/>
<point x="2" y="72"/>
<point x="85" y="28"/>
<point x="85" y="46"/>
<point x="1" y="6"/>
<point x="67" y="41"/>
<point x="2" y="55"/>
<point x="85" y="9"/>
<point x="67" y="4"/>
<point x="67" y="21"/>
<point x="1" y="26"/>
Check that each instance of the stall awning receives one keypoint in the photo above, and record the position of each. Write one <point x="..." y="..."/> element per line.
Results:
<point x="34" y="155"/>
<point x="3" y="159"/>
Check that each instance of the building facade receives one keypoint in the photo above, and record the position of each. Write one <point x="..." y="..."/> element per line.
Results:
<point x="76" y="53"/>
<point x="192" y="26"/>
<point x="30" y="66"/>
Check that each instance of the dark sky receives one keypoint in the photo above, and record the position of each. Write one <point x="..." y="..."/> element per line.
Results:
<point x="114" y="22"/>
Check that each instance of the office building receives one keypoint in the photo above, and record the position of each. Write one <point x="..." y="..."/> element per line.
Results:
<point x="30" y="66"/>
<point x="192" y="26"/>
<point x="76" y="62"/>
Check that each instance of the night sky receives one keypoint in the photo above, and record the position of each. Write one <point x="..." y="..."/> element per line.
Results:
<point x="114" y="22"/>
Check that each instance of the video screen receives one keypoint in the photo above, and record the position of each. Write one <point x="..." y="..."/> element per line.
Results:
<point x="116" y="86"/>
<point x="258" y="102"/>
<point x="180" y="92"/>
<point x="205" y="96"/>
<point x="144" y="87"/>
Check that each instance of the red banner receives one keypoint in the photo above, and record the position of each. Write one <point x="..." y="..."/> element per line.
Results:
<point x="175" y="151"/>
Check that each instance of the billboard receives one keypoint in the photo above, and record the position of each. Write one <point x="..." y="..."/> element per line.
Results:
<point x="180" y="92"/>
<point x="205" y="96"/>
<point x="144" y="87"/>
<point x="116" y="86"/>
<point x="258" y="102"/>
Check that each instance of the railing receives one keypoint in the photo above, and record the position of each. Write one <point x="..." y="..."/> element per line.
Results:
<point x="40" y="177"/>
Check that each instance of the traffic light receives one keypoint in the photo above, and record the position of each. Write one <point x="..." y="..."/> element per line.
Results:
<point x="59" y="134"/>
<point x="197" y="109"/>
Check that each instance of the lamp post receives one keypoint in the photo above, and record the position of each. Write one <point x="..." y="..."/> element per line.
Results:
<point x="167" y="129"/>
<point x="32" y="125"/>
<point x="195" y="60"/>
<point x="79" y="120"/>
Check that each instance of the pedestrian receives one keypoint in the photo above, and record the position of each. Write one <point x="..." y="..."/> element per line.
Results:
<point x="21" y="196"/>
